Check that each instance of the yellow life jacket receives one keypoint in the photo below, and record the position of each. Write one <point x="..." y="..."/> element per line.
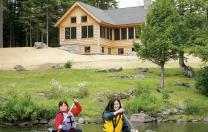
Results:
<point x="114" y="125"/>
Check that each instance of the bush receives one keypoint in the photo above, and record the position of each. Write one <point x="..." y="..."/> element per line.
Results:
<point x="17" y="108"/>
<point x="68" y="64"/>
<point x="143" y="101"/>
<point x="202" y="81"/>
<point x="80" y="91"/>
<point x="193" y="107"/>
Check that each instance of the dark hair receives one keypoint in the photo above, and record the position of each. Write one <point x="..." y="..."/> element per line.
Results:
<point x="110" y="105"/>
<point x="62" y="102"/>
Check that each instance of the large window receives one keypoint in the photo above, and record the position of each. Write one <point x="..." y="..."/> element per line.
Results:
<point x="87" y="31"/>
<point x="138" y="32"/>
<point x="123" y="33"/>
<point x="131" y="32"/>
<point x="90" y="31"/>
<point x="84" y="31"/>
<point x="73" y="19"/>
<point x="105" y="33"/>
<point x="84" y="19"/>
<point x="73" y="33"/>
<point x="67" y="33"/>
<point x="117" y="34"/>
<point x="70" y="33"/>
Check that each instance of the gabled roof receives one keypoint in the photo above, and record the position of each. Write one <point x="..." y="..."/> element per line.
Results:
<point x="119" y="16"/>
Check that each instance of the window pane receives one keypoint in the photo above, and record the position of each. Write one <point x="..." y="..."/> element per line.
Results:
<point x="117" y="34"/>
<point x="84" y="18"/>
<point x="138" y="32"/>
<point x="87" y="49"/>
<point x="108" y="33"/>
<point x="101" y="29"/>
<point x="123" y="33"/>
<point x="67" y="33"/>
<point x="103" y="50"/>
<point x="120" y="51"/>
<point x="131" y="33"/>
<point x="73" y="20"/>
<point x="84" y="31"/>
<point x="73" y="33"/>
<point x="90" y="31"/>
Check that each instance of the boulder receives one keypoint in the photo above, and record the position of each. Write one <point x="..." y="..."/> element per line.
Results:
<point x="43" y="121"/>
<point x="24" y="124"/>
<point x="101" y="70"/>
<point x="121" y="96"/>
<point x="81" y="121"/>
<point x="19" y="68"/>
<point x="185" y="84"/>
<point x="40" y="45"/>
<point x="141" y="118"/>
<point x="115" y="69"/>
<point x="143" y="69"/>
<point x="206" y="119"/>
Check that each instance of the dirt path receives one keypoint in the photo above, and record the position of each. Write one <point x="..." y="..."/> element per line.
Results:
<point x="33" y="59"/>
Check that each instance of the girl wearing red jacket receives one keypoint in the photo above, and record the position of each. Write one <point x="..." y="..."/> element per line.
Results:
<point x="64" y="120"/>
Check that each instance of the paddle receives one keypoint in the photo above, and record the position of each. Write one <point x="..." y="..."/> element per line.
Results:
<point x="135" y="130"/>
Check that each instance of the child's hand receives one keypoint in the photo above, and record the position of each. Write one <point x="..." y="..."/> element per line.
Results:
<point x="121" y="110"/>
<point x="133" y="130"/>
<point x="75" y="100"/>
<point x="60" y="127"/>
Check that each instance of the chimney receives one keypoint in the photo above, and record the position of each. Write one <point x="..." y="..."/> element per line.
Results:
<point x="147" y="3"/>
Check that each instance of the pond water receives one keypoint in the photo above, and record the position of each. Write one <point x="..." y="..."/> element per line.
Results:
<point x="158" y="127"/>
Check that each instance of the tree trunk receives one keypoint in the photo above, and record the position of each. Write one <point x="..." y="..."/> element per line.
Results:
<point x="30" y="35"/>
<point x="187" y="71"/>
<point x="47" y="27"/>
<point x="26" y="38"/>
<point x="1" y="23"/>
<point x="162" y="72"/>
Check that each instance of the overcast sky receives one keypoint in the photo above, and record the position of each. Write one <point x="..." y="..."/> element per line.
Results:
<point x="129" y="3"/>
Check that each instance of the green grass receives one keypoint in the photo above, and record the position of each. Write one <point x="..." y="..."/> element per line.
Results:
<point x="36" y="82"/>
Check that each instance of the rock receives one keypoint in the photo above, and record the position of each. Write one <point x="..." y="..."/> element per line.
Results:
<point x="141" y="118"/>
<point x="131" y="91"/>
<point x="43" y="121"/>
<point x="143" y="69"/>
<point x="188" y="85"/>
<point x="24" y="124"/>
<point x="40" y="45"/>
<point x="72" y="48"/>
<point x="81" y="121"/>
<point x="159" y="119"/>
<point x="19" y="68"/>
<point x="35" y="122"/>
<point x="121" y="96"/>
<point x="149" y="131"/>
<point x="115" y="69"/>
<point x="51" y="122"/>
<point x="181" y="120"/>
<point x="101" y="99"/>
<point x="206" y="119"/>
<point x="101" y="70"/>
<point x="138" y="76"/>
<point x="166" y="112"/>
<point x="8" y="124"/>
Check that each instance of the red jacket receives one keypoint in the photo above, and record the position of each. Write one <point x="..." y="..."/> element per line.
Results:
<point x="59" y="117"/>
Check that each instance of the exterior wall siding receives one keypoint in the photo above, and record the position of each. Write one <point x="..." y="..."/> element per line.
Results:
<point x="96" y="43"/>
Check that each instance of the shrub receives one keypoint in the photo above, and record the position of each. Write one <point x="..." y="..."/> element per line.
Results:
<point x="143" y="101"/>
<point x="193" y="107"/>
<point x="80" y="91"/>
<point x="68" y="64"/>
<point x="202" y="81"/>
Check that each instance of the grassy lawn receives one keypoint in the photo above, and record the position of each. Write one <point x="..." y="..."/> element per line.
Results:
<point x="37" y="84"/>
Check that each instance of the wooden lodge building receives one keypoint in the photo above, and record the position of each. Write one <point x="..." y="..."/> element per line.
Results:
<point x="85" y="29"/>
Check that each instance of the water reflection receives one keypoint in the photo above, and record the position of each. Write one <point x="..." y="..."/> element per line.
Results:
<point x="158" y="127"/>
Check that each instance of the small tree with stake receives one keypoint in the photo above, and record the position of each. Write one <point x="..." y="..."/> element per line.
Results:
<point x="157" y="35"/>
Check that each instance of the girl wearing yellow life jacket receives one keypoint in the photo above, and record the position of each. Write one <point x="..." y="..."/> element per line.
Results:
<point x="113" y="117"/>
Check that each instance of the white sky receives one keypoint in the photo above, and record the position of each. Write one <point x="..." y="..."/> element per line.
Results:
<point x="129" y="3"/>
